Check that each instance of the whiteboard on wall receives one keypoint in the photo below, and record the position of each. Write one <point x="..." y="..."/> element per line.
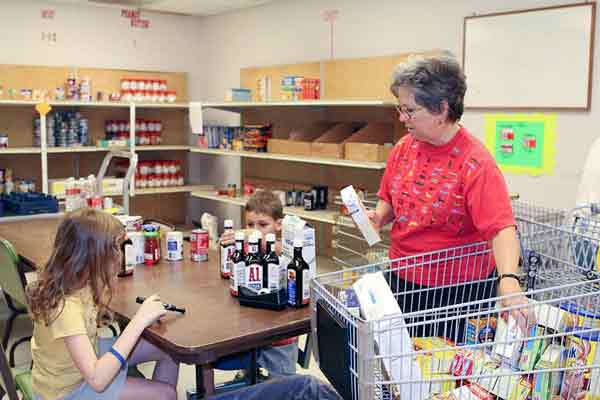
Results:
<point x="539" y="58"/>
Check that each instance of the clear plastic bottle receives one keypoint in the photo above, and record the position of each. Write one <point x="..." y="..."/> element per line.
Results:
<point x="70" y="197"/>
<point x="226" y="252"/>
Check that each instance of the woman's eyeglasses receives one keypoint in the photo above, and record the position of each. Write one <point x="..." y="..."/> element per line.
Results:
<point x="408" y="113"/>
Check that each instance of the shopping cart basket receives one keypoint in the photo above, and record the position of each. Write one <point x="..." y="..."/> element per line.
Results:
<point x="559" y="235"/>
<point x="464" y="350"/>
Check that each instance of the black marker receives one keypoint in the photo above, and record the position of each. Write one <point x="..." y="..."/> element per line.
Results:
<point x="168" y="307"/>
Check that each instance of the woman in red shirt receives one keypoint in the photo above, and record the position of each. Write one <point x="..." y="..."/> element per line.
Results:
<point x="442" y="189"/>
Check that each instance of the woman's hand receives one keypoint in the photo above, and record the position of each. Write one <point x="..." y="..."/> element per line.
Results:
<point x="375" y="219"/>
<point x="150" y="311"/>
<point x="512" y="296"/>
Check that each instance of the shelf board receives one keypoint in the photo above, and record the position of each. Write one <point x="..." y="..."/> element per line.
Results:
<point x="326" y="216"/>
<point x="27" y="103"/>
<point x="100" y="104"/>
<point x="289" y="157"/>
<point x="211" y="195"/>
<point x="77" y="149"/>
<point x="240" y="105"/>
<point x="163" y="190"/>
<point x="182" y="106"/>
<point x="21" y="150"/>
<point x="162" y="147"/>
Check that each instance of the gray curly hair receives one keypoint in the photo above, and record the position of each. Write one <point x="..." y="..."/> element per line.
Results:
<point x="432" y="80"/>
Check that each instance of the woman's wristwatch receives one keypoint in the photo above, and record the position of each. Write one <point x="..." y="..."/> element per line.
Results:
<point x="502" y="276"/>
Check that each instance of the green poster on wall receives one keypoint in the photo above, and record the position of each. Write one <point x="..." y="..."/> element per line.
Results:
<point x="522" y="143"/>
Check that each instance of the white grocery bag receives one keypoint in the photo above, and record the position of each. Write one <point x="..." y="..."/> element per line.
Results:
<point x="377" y="301"/>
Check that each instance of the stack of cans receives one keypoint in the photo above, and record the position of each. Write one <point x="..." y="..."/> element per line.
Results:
<point x="63" y="129"/>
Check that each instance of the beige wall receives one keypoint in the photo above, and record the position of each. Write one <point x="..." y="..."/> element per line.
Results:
<point x="99" y="37"/>
<point x="294" y="31"/>
<point x="213" y="49"/>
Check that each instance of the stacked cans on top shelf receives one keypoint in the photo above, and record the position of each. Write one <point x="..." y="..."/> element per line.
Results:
<point x="63" y="129"/>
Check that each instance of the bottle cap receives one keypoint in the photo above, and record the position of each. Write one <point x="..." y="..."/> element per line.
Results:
<point x="270" y="237"/>
<point x="298" y="242"/>
<point x="239" y="235"/>
<point x="253" y="239"/>
<point x="228" y="223"/>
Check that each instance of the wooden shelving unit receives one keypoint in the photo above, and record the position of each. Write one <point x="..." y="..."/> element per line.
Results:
<point x="43" y="163"/>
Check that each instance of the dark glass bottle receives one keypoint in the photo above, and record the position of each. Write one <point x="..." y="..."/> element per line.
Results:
<point x="238" y="264"/>
<point x="253" y="277"/>
<point x="126" y="248"/>
<point x="226" y="253"/>
<point x="298" y="278"/>
<point x="271" y="267"/>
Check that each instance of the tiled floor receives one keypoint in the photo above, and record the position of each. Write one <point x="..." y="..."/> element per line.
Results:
<point x="23" y="327"/>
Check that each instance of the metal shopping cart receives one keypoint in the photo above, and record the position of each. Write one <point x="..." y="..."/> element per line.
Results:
<point x="470" y="347"/>
<point x="559" y="235"/>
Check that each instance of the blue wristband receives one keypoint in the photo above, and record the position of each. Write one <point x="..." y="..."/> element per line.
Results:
<point x="118" y="356"/>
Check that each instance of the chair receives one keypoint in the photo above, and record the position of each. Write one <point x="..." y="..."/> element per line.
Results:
<point x="20" y="381"/>
<point x="12" y="281"/>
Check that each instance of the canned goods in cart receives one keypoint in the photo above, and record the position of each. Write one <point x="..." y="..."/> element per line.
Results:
<point x="174" y="246"/>
<point x="199" y="245"/>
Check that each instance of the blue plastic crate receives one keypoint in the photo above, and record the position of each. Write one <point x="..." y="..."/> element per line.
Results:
<point x="29" y="203"/>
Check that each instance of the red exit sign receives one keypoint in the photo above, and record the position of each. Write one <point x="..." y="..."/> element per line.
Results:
<point x="47" y="13"/>
<point x="140" y="23"/>
<point x="131" y="14"/>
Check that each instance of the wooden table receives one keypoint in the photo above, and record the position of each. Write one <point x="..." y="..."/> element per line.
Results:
<point x="214" y="324"/>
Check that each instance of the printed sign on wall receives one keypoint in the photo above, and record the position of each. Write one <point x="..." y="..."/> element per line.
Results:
<point x="522" y="143"/>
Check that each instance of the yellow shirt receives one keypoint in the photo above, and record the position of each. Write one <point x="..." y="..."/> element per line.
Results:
<point x="54" y="372"/>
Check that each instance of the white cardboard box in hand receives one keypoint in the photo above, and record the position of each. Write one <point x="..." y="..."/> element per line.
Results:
<point x="358" y="212"/>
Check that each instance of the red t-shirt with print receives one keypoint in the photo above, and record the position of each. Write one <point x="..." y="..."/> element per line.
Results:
<point x="444" y="197"/>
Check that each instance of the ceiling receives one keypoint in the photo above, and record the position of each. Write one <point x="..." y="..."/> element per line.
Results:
<point x="183" y="7"/>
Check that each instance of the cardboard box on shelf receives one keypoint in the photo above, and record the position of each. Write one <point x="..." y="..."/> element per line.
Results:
<point x="286" y="146"/>
<point x="372" y="143"/>
<point x="331" y="143"/>
<point x="311" y="132"/>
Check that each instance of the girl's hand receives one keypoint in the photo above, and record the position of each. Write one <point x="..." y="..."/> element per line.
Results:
<point x="227" y="238"/>
<point x="150" y="311"/>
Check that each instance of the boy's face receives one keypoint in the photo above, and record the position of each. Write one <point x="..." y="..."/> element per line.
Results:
<point x="262" y="222"/>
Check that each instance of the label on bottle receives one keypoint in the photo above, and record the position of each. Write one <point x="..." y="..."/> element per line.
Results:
<point x="274" y="276"/>
<point x="253" y="277"/>
<point x="305" y="287"/>
<point x="237" y="277"/>
<point x="129" y="258"/>
<point x="226" y="263"/>
<point x="291" y="285"/>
